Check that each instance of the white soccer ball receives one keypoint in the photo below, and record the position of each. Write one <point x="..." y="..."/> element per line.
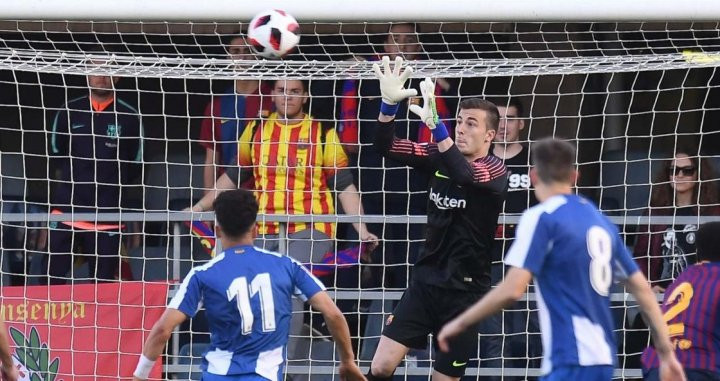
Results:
<point x="273" y="33"/>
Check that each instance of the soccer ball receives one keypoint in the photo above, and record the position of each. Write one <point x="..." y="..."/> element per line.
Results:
<point x="273" y="33"/>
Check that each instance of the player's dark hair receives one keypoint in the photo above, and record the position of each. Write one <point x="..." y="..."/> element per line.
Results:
<point x="707" y="242"/>
<point x="236" y="211"/>
<point x="553" y="160"/>
<point x="510" y="102"/>
<point x="492" y="116"/>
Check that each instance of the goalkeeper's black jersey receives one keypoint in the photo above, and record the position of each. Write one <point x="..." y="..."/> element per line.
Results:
<point x="464" y="201"/>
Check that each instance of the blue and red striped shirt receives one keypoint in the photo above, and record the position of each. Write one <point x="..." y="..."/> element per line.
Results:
<point x="690" y="308"/>
<point x="225" y="119"/>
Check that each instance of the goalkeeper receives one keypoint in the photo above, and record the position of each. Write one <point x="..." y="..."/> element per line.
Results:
<point x="465" y="197"/>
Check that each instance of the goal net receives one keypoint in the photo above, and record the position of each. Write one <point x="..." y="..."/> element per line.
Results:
<point x="629" y="95"/>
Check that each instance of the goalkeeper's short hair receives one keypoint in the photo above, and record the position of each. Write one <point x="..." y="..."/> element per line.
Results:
<point x="492" y="114"/>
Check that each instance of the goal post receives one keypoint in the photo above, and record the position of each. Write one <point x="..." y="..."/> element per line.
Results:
<point x="630" y="83"/>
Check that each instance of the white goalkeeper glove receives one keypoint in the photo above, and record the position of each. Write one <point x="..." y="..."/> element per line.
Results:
<point x="392" y="84"/>
<point x="428" y="112"/>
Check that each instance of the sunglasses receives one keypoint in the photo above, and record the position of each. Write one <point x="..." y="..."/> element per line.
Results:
<point x="683" y="171"/>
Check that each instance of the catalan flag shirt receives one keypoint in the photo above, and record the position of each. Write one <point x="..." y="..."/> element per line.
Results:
<point x="291" y="165"/>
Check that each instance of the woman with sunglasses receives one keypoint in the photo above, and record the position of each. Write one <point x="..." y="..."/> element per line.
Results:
<point x="686" y="187"/>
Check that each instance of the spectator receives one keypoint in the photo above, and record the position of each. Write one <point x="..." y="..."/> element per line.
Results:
<point x="95" y="147"/>
<point x="516" y="158"/>
<point x="521" y="330"/>
<point x="387" y="186"/>
<point x="294" y="169"/>
<point x="228" y="114"/>
<point x="685" y="187"/>
<point x="515" y="155"/>
<point x="296" y="163"/>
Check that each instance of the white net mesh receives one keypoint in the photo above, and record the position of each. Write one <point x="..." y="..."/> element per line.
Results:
<point x="629" y="94"/>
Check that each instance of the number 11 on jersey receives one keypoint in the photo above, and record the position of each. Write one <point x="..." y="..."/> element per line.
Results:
<point x="243" y="293"/>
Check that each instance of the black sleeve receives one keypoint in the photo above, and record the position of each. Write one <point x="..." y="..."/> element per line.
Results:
<point x="340" y="180"/>
<point x="237" y="176"/>
<point x="416" y="155"/>
<point x="487" y="172"/>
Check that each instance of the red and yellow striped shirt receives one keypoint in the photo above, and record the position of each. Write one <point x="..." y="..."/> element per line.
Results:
<point x="291" y="166"/>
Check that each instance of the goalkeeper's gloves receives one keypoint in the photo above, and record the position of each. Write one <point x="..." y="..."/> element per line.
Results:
<point x="428" y="112"/>
<point x="392" y="84"/>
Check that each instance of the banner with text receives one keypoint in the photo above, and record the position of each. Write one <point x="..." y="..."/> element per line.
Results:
<point x="81" y="332"/>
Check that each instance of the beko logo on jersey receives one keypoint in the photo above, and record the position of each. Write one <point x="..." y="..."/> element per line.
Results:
<point x="446" y="202"/>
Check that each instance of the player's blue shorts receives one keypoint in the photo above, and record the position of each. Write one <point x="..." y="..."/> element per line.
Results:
<point x="584" y="373"/>
<point x="242" y="377"/>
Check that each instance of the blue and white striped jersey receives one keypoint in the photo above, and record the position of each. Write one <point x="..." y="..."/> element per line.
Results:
<point x="573" y="252"/>
<point x="247" y="294"/>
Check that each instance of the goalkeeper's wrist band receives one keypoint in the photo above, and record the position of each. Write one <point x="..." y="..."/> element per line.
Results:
<point x="388" y="109"/>
<point x="440" y="132"/>
<point x="144" y="367"/>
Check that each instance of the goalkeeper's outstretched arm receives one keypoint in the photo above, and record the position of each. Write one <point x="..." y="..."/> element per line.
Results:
<point x="392" y="89"/>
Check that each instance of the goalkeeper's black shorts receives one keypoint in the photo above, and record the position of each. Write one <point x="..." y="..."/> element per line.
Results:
<point x="424" y="309"/>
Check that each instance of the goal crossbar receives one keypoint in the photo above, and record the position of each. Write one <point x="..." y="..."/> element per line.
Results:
<point x="367" y="11"/>
<point x="196" y="68"/>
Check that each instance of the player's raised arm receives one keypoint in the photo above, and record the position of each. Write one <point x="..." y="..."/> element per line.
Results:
<point x="392" y="89"/>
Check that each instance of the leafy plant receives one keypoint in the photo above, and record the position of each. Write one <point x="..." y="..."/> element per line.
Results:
<point x="34" y="355"/>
